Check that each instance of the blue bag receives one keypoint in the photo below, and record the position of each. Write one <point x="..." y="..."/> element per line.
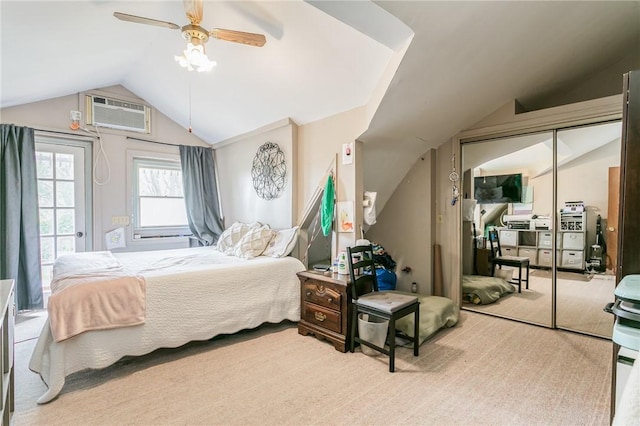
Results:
<point x="386" y="279"/>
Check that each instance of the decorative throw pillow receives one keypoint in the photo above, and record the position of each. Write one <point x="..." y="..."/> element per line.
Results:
<point x="253" y="242"/>
<point x="282" y="243"/>
<point x="230" y="238"/>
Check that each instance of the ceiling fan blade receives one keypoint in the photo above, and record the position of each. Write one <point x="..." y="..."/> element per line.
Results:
<point x="238" y="37"/>
<point x="193" y="9"/>
<point x="148" y="21"/>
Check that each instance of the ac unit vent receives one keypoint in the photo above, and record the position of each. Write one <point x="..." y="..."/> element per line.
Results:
<point x="116" y="114"/>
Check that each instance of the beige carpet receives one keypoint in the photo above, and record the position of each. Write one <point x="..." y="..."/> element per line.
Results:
<point x="29" y="324"/>
<point x="484" y="371"/>
<point x="580" y="302"/>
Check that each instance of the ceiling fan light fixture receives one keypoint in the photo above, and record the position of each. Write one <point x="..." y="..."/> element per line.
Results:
<point x="194" y="57"/>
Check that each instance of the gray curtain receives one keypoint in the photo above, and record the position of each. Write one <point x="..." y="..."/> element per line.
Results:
<point x="19" y="228"/>
<point x="201" y="193"/>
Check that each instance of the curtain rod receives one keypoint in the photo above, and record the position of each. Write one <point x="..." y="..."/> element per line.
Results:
<point x="150" y="141"/>
<point x="75" y="134"/>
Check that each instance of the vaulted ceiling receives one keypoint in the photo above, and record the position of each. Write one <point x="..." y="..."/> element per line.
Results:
<point x="464" y="60"/>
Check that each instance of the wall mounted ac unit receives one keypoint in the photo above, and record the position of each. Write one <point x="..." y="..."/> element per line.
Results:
<point x="116" y="114"/>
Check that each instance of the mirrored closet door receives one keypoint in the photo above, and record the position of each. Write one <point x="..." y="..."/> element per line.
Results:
<point x="508" y="194"/>
<point x="559" y="244"/>
<point x="588" y="172"/>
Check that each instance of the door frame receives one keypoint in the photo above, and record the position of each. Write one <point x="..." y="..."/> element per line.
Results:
<point x="87" y="145"/>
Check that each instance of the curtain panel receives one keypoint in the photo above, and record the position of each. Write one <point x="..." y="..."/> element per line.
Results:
<point x="19" y="222"/>
<point x="201" y="193"/>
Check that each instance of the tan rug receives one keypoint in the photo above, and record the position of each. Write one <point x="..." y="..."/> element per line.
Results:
<point x="580" y="302"/>
<point x="484" y="371"/>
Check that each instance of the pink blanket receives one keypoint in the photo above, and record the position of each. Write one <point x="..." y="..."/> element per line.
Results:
<point x="83" y="301"/>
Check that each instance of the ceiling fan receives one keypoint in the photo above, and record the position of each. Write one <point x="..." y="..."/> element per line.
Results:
<point x="196" y="35"/>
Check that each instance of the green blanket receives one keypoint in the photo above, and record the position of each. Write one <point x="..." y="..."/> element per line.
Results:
<point x="435" y="312"/>
<point x="482" y="290"/>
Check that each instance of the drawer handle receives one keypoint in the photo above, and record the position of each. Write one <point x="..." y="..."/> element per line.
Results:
<point x="308" y="294"/>
<point x="320" y="316"/>
<point x="330" y="300"/>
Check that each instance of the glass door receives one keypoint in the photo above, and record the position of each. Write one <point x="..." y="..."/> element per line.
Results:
<point x="63" y="199"/>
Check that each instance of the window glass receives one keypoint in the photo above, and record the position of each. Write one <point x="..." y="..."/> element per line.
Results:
<point x="159" y="209"/>
<point x="65" y="194"/>
<point x="65" y="223"/>
<point x="46" y="222"/>
<point x="45" y="193"/>
<point x="44" y="165"/>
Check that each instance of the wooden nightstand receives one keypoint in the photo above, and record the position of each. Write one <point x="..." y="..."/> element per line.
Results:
<point x="325" y="307"/>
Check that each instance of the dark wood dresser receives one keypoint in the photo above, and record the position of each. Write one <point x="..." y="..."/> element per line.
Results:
<point x="325" y="307"/>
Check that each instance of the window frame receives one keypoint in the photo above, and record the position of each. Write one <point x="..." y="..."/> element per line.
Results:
<point x="138" y="232"/>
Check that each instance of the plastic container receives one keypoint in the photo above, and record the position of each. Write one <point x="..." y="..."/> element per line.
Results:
<point x="343" y="269"/>
<point x="374" y="330"/>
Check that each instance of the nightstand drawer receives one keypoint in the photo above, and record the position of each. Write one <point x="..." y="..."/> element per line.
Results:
<point x="325" y="307"/>
<point x="321" y="294"/>
<point x="326" y="318"/>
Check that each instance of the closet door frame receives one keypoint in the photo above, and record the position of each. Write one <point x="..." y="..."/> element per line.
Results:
<point x="552" y="119"/>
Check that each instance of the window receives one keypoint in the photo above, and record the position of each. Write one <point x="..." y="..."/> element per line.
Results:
<point x="158" y="201"/>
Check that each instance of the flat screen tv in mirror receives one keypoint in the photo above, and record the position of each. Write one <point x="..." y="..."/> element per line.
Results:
<point x="498" y="189"/>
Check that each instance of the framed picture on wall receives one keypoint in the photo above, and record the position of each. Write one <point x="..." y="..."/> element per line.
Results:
<point x="345" y="216"/>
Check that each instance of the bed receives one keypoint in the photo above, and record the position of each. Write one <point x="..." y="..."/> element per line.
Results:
<point x="191" y="294"/>
<point x="481" y="290"/>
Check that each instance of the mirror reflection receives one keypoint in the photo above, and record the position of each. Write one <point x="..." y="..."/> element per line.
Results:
<point x="508" y="217"/>
<point x="510" y="227"/>
<point x="587" y="188"/>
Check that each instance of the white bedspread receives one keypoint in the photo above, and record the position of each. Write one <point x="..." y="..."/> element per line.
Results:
<point x="192" y="294"/>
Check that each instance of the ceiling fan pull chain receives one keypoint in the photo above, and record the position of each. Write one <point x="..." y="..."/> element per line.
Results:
<point x="190" y="129"/>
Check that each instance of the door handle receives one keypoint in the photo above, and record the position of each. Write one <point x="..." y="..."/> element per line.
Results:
<point x="611" y="229"/>
<point x="79" y="234"/>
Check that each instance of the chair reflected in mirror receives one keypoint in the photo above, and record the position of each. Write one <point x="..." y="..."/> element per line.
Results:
<point x="498" y="260"/>
<point x="382" y="305"/>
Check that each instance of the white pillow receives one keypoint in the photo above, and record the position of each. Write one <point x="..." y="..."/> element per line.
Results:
<point x="229" y="239"/>
<point x="254" y="242"/>
<point x="282" y="243"/>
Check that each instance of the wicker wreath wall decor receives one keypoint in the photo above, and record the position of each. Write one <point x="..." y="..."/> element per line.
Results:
<point x="269" y="171"/>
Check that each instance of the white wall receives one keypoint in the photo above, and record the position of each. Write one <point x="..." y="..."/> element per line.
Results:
<point x="110" y="199"/>
<point x="234" y="159"/>
<point x="309" y="150"/>
<point x="319" y="143"/>
<point x="404" y="228"/>
<point x="313" y="149"/>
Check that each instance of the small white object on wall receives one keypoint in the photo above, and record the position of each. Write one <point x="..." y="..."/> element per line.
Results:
<point x="369" y="204"/>
<point x="347" y="153"/>
<point x="115" y="239"/>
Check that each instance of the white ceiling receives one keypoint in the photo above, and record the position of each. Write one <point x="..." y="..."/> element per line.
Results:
<point x="466" y="59"/>
<point x="311" y="67"/>
<point x="534" y="152"/>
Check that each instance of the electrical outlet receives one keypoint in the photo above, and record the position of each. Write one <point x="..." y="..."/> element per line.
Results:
<point x="119" y="220"/>
<point x="75" y="115"/>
